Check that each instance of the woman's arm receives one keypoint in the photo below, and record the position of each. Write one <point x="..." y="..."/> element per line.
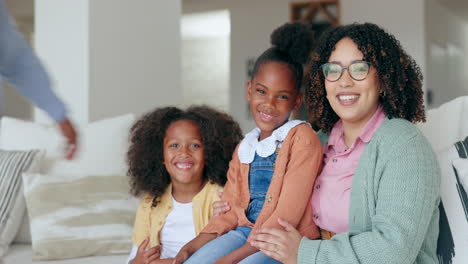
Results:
<point x="407" y="197"/>
<point x="281" y="245"/>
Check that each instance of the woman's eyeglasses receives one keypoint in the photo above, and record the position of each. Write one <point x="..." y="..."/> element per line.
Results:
<point x="358" y="70"/>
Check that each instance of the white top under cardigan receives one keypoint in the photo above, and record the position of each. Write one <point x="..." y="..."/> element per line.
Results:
<point x="177" y="231"/>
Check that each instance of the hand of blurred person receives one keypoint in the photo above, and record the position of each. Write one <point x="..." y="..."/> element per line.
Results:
<point x="21" y="68"/>
<point x="69" y="132"/>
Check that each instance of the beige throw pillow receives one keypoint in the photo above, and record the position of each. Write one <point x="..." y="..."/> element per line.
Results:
<point x="80" y="207"/>
<point x="74" y="216"/>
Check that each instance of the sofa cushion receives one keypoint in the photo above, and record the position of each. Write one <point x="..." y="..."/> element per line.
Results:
<point x="24" y="233"/>
<point x="12" y="205"/>
<point x="446" y="124"/>
<point x="101" y="153"/>
<point x="84" y="215"/>
<point x="453" y="237"/>
<point x="22" y="254"/>
<point x="461" y="166"/>
<point x="101" y="150"/>
<point x="23" y="135"/>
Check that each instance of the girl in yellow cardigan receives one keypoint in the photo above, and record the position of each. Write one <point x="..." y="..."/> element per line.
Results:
<point x="177" y="162"/>
<point x="273" y="169"/>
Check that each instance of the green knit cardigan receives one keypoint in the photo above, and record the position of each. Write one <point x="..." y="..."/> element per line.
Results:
<point x="393" y="214"/>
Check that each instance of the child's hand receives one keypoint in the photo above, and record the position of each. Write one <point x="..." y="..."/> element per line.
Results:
<point x="220" y="207"/>
<point x="146" y="256"/>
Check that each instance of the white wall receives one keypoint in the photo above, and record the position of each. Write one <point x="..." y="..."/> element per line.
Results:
<point x="134" y="56"/>
<point x="12" y="103"/>
<point x="447" y="50"/>
<point x="109" y="61"/>
<point x="404" y="19"/>
<point x="61" y="41"/>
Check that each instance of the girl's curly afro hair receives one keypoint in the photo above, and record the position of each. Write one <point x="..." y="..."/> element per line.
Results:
<point x="220" y="135"/>
<point x="399" y="75"/>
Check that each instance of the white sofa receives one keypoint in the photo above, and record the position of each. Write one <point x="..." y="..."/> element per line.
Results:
<point x="22" y="254"/>
<point x="103" y="145"/>
<point x="444" y="127"/>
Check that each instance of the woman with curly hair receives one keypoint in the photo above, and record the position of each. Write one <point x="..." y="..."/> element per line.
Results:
<point x="177" y="162"/>
<point x="376" y="198"/>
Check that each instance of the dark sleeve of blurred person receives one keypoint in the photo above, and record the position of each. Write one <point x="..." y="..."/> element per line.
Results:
<point x="20" y="67"/>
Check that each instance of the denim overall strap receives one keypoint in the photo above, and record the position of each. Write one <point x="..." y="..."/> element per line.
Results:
<point x="260" y="174"/>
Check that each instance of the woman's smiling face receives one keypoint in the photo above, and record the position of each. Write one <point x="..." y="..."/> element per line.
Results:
<point x="353" y="101"/>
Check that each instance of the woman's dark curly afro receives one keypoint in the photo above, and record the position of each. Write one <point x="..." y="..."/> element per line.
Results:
<point x="220" y="136"/>
<point x="399" y="75"/>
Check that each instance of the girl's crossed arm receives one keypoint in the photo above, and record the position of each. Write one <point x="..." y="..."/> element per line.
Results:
<point x="303" y="167"/>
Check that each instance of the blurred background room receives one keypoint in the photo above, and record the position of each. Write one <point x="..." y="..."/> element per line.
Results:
<point x="110" y="57"/>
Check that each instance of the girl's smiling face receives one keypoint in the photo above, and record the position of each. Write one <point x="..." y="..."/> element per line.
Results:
<point x="184" y="156"/>
<point x="272" y="94"/>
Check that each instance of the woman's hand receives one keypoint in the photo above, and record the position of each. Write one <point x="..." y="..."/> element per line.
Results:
<point x="146" y="256"/>
<point x="281" y="245"/>
<point x="220" y="207"/>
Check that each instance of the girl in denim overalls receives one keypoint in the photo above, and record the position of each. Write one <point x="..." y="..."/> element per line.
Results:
<point x="274" y="167"/>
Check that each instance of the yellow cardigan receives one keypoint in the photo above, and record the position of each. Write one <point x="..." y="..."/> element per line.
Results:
<point x="150" y="220"/>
